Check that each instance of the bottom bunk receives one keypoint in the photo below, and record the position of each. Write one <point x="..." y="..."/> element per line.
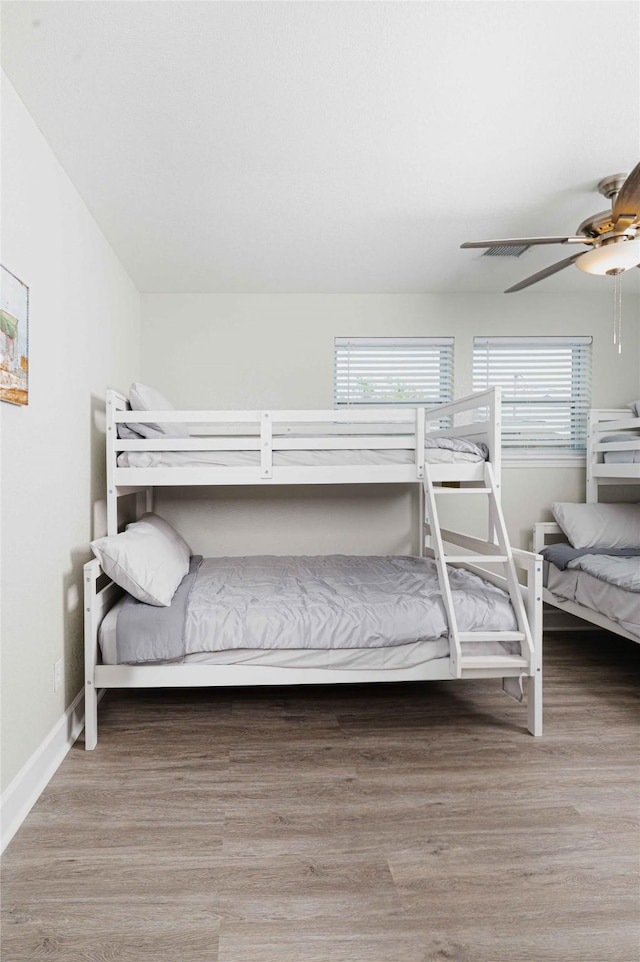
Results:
<point x="597" y="583"/>
<point x="274" y="620"/>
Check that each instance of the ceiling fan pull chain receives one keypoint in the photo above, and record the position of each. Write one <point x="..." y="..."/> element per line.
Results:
<point x="617" y="312"/>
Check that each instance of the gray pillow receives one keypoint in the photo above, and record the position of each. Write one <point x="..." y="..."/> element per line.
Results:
<point x="599" y="525"/>
<point x="144" y="398"/>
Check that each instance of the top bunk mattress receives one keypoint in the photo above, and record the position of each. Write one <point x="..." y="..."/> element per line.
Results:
<point x="622" y="457"/>
<point x="440" y="451"/>
<point x="625" y="438"/>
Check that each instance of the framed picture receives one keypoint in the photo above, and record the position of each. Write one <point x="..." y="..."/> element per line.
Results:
<point x="14" y="339"/>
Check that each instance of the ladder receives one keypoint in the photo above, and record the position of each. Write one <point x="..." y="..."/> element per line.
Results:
<point x="496" y="551"/>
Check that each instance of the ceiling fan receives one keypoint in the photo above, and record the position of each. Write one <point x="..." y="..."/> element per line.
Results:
<point x="610" y="235"/>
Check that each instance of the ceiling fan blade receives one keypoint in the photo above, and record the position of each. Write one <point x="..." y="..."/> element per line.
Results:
<point x="529" y="241"/>
<point x="547" y="272"/>
<point x="626" y="208"/>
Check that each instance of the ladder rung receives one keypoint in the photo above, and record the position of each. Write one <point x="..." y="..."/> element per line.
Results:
<point x="494" y="661"/>
<point x="441" y="490"/>
<point x="491" y="558"/>
<point x="491" y="635"/>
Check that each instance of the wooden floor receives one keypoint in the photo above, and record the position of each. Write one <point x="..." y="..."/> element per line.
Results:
<point x="363" y="824"/>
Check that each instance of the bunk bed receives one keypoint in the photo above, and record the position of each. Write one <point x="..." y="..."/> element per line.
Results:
<point x="613" y="449"/>
<point x="604" y="593"/>
<point x="451" y="450"/>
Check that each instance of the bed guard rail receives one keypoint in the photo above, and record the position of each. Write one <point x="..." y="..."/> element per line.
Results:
<point x="608" y="432"/>
<point x="476" y="417"/>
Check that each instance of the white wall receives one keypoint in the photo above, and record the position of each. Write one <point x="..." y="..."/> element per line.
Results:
<point x="84" y="335"/>
<point x="261" y="351"/>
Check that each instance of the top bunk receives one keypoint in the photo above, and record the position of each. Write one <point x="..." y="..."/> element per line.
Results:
<point x="342" y="446"/>
<point x="613" y="449"/>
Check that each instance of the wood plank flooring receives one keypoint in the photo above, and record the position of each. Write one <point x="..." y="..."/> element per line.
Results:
<point x="401" y="823"/>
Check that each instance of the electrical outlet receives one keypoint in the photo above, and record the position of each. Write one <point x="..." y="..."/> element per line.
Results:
<point x="57" y="674"/>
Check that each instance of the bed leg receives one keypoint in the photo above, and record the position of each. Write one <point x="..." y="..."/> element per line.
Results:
<point x="90" y="716"/>
<point x="534" y="703"/>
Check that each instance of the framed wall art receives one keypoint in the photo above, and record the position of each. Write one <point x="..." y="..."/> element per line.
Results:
<point x="14" y="339"/>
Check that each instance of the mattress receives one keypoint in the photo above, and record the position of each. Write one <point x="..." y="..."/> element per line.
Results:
<point x="440" y="451"/>
<point x="612" y="601"/>
<point x="396" y="657"/>
<point x="266" y="609"/>
<point x="622" y="457"/>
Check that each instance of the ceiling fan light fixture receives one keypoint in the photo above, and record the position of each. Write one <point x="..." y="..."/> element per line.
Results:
<point x="611" y="258"/>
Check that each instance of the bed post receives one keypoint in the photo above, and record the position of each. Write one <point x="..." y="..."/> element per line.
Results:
<point x="534" y="612"/>
<point x="421" y="520"/>
<point x="111" y="438"/>
<point x="420" y="459"/>
<point x="495" y="455"/>
<point x="91" y="570"/>
<point x="592" y="457"/>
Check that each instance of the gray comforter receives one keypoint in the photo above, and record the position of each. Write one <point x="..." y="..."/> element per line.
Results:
<point x="279" y="602"/>
<point x="437" y="451"/>
<point x="622" y="572"/>
<point x="561" y="554"/>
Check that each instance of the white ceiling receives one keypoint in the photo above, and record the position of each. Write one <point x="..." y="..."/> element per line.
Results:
<point x="333" y="146"/>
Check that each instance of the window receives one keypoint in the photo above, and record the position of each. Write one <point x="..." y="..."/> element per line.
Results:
<point x="393" y="370"/>
<point x="546" y="391"/>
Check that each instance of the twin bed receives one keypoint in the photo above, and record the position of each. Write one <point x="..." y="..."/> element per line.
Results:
<point x="592" y="551"/>
<point x="456" y="610"/>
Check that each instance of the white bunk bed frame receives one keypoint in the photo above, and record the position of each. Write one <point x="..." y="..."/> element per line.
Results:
<point x="604" y="423"/>
<point x="601" y="423"/>
<point x="382" y="428"/>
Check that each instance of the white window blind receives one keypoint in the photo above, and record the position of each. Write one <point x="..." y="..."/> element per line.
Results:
<point x="546" y="391"/>
<point x="393" y="370"/>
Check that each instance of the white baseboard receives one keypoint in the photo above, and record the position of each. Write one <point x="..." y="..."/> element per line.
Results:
<point x="28" y="785"/>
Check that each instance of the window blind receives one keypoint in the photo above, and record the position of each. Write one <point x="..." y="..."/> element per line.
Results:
<point x="546" y="390"/>
<point x="389" y="370"/>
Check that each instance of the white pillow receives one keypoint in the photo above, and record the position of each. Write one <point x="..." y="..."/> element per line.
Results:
<point x="599" y="525"/>
<point x="170" y="533"/>
<point x="144" y="398"/>
<point x="124" y="431"/>
<point x="143" y="561"/>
